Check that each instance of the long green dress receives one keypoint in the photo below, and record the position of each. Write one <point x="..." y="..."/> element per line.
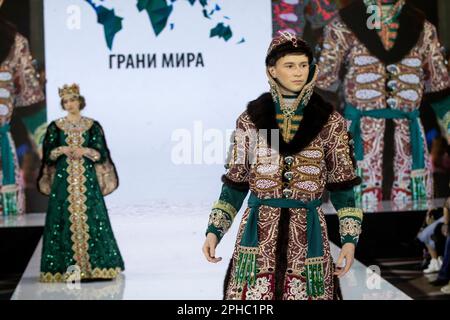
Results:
<point x="77" y="234"/>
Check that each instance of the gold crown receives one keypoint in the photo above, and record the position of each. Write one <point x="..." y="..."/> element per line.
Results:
<point x="72" y="90"/>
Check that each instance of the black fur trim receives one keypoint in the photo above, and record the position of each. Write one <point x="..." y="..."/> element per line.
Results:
<point x="7" y="38"/>
<point x="226" y="281"/>
<point x="436" y="96"/>
<point x="315" y="115"/>
<point x="241" y="186"/>
<point x="343" y="185"/>
<point x="411" y="22"/>
<point x="44" y="152"/>
<point x="281" y="252"/>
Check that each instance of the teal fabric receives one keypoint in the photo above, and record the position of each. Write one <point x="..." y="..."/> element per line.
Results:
<point x="246" y="265"/>
<point x="416" y="140"/>
<point x="314" y="235"/>
<point x="349" y="238"/>
<point x="233" y="197"/>
<point x="9" y="176"/>
<point x="441" y="107"/>
<point x="343" y="199"/>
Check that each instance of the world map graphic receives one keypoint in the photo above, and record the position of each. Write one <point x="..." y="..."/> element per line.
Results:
<point x="159" y="13"/>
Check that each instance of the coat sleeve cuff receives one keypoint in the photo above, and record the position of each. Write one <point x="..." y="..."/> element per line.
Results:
<point x="221" y="218"/>
<point x="350" y="221"/>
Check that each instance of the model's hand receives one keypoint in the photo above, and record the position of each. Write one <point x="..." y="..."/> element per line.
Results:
<point x="209" y="248"/>
<point x="78" y="152"/>
<point x="66" y="150"/>
<point x="347" y="253"/>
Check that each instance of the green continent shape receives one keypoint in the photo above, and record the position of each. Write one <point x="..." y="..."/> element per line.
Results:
<point x="158" y="11"/>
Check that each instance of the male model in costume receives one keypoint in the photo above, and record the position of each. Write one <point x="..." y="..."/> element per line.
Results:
<point x="282" y="249"/>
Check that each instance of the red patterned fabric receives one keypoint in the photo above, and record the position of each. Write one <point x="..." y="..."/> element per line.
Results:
<point x="291" y="15"/>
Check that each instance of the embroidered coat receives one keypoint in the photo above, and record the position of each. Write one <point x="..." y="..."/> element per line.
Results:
<point x="318" y="157"/>
<point x="19" y="87"/>
<point x="394" y="81"/>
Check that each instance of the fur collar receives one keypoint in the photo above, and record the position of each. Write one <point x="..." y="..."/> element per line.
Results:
<point x="315" y="115"/>
<point x="7" y="38"/>
<point x="411" y="25"/>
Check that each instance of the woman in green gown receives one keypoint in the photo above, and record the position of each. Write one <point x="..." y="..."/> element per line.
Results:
<point x="76" y="172"/>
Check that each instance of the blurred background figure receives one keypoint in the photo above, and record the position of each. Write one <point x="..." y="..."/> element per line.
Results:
<point x="433" y="222"/>
<point x="381" y="68"/>
<point x="19" y="86"/>
<point x="444" y="270"/>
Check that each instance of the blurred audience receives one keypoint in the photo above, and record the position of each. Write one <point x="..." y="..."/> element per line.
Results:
<point x="427" y="235"/>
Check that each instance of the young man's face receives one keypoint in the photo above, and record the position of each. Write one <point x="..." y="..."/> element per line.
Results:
<point x="291" y="72"/>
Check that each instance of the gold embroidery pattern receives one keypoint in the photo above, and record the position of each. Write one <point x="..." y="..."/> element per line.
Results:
<point x="296" y="289"/>
<point x="308" y="171"/>
<point x="349" y="226"/>
<point x="78" y="217"/>
<point x="77" y="198"/>
<point x="83" y="125"/>
<point x="220" y="220"/>
<point x="260" y="291"/>
<point x="97" y="273"/>
<point x="343" y="153"/>
<point x="249" y="250"/>
<point x="350" y="212"/>
<point x="288" y="129"/>
<point x="225" y="206"/>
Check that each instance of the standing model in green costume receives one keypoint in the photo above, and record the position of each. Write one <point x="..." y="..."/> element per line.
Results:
<point x="77" y="171"/>
<point x="282" y="250"/>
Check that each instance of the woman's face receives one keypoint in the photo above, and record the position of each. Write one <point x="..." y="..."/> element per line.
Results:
<point x="71" y="104"/>
<point x="1" y="3"/>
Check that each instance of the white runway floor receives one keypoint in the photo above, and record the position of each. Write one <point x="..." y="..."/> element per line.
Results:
<point x="161" y="246"/>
